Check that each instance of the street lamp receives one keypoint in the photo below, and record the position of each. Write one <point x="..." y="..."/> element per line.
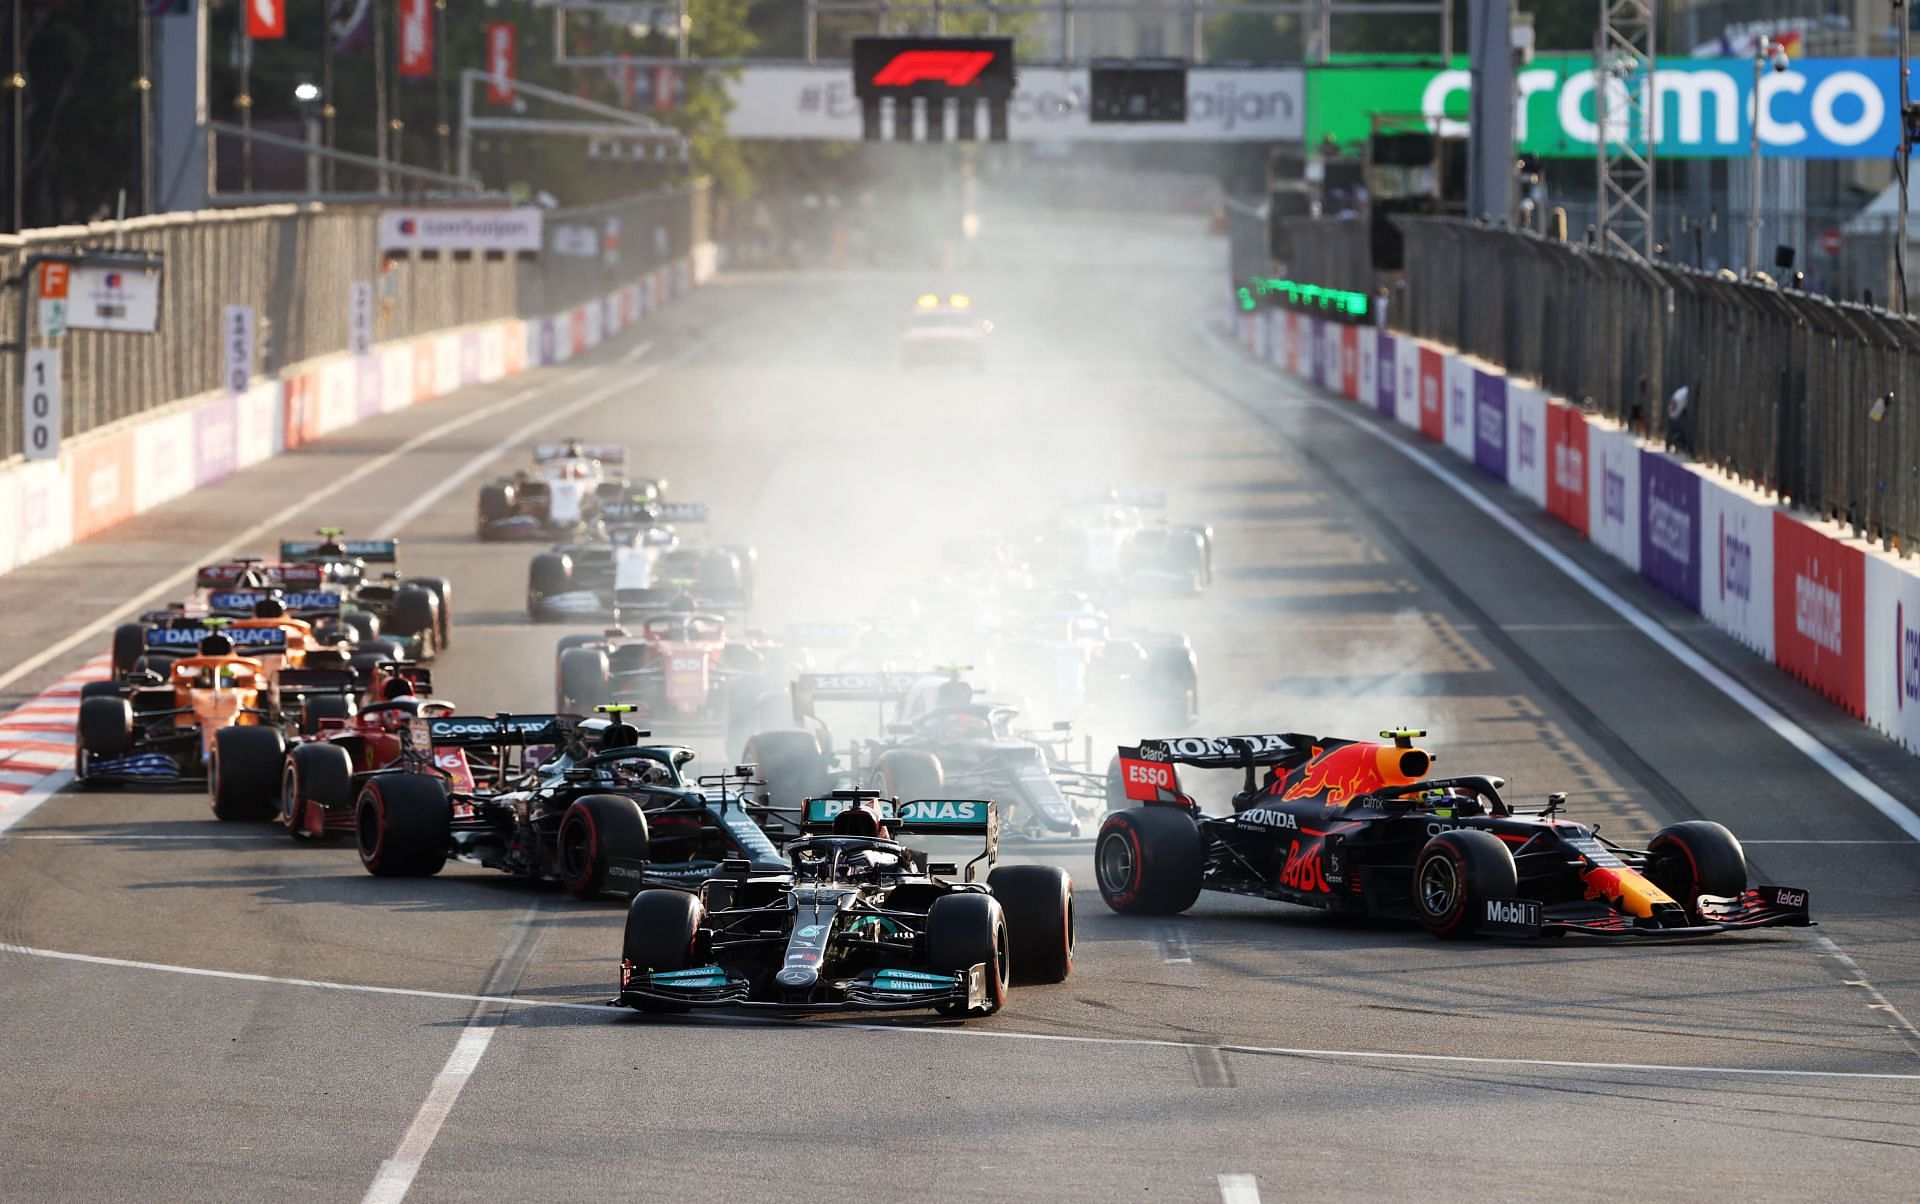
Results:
<point x="307" y="98"/>
<point x="1766" y="53"/>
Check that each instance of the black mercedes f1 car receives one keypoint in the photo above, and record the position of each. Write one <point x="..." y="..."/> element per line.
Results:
<point x="1358" y="827"/>
<point x="855" y="920"/>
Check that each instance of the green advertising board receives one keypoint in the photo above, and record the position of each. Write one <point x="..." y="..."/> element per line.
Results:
<point x="1816" y="109"/>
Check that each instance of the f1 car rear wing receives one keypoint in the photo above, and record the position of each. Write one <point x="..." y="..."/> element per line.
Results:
<point x="1226" y="752"/>
<point x="187" y="636"/>
<point x="299" y="603"/>
<point x="1145" y="499"/>
<point x="478" y="731"/>
<point x="654" y="598"/>
<point x="873" y="632"/>
<point x="373" y="551"/>
<point x="811" y="689"/>
<point x="314" y="681"/>
<point x="606" y="453"/>
<point x="683" y="512"/>
<point x="923" y="817"/>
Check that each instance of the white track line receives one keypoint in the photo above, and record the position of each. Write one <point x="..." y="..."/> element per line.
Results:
<point x="97" y="836"/>
<point x="1239" y="1189"/>
<point x="279" y="519"/>
<point x="1357" y="1055"/>
<point x="25" y="804"/>
<point x="1799" y="737"/>
<point x="398" y="1172"/>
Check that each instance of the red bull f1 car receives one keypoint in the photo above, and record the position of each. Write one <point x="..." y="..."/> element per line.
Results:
<point x="1359" y="827"/>
<point x="854" y="920"/>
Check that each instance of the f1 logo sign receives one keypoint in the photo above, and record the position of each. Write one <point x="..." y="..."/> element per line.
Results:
<point x="954" y="68"/>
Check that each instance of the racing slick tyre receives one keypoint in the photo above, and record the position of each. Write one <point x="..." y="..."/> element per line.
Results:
<point x="1186" y="556"/>
<point x="720" y="573"/>
<point x="317" y="773"/>
<point x="243" y="774"/>
<point x="442" y="591"/>
<point x="129" y="644"/>
<point x="908" y="774"/>
<point x="583" y="681"/>
<point x="100" y="689"/>
<point x="964" y="931"/>
<point x="1173" y="685"/>
<point x="1038" y="902"/>
<point x="362" y="664"/>
<point x="743" y="698"/>
<point x="748" y="561"/>
<point x="316" y="707"/>
<point x="548" y="574"/>
<point x="1147" y="861"/>
<point x="106" y="731"/>
<point x="662" y="928"/>
<point x="1698" y="857"/>
<point x="496" y="503"/>
<point x="790" y="763"/>
<point x="1454" y="875"/>
<point x="403" y="822"/>
<point x="366" y="627"/>
<point x="416" y="615"/>
<point x="594" y="830"/>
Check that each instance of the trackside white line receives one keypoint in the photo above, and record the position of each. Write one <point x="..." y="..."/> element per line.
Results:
<point x="1831" y="762"/>
<point x="1239" y="1189"/>
<point x="120" y="963"/>
<point x="104" y="837"/>
<point x="398" y="1172"/>
<point x="278" y="519"/>
<point x="26" y="803"/>
<point x="1358" y="1055"/>
<point x="419" y="505"/>
<point x="1876" y="1001"/>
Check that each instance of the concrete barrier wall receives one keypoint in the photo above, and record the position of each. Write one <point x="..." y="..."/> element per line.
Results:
<point x="109" y="475"/>
<point x="1831" y="611"/>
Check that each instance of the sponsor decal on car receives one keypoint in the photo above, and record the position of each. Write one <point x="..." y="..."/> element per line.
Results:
<point x="1267" y="817"/>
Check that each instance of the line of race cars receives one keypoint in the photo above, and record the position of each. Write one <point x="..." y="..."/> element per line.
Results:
<point x="814" y="873"/>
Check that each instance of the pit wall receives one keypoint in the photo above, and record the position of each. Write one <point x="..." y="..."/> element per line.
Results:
<point x="1839" y="615"/>
<point x="109" y="475"/>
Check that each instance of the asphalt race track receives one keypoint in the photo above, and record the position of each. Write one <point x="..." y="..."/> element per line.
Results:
<point x="190" y="1009"/>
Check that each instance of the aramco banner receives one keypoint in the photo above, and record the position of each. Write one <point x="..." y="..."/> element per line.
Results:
<point x="1816" y="109"/>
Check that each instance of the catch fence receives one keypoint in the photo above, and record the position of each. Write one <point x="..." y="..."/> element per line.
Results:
<point x="294" y="265"/>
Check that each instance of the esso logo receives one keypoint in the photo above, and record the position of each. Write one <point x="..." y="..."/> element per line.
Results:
<point x="1146" y="773"/>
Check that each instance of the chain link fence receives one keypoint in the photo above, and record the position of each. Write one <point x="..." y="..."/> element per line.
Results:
<point x="293" y="265"/>
<point x="1815" y="399"/>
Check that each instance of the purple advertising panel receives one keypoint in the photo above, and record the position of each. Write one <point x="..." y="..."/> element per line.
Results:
<point x="1385" y="381"/>
<point x="1670" y="527"/>
<point x="1490" y="422"/>
<point x="369" y="387"/>
<point x="547" y="344"/>
<point x="216" y="440"/>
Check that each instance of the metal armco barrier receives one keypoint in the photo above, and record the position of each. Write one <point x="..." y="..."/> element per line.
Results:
<point x="294" y="266"/>
<point x="1782" y="388"/>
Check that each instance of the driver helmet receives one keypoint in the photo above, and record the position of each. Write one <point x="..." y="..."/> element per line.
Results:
<point x="683" y="604"/>
<point x="620" y="735"/>
<point x="330" y="549"/>
<point x="269" y="608"/>
<point x="216" y="645"/>
<point x="396" y="688"/>
<point x="862" y="864"/>
<point x="955" y="693"/>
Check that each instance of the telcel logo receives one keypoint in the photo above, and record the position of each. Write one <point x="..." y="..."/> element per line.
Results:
<point x="1569" y="469"/>
<point x="1816" y="611"/>
<point x="1614" y="502"/>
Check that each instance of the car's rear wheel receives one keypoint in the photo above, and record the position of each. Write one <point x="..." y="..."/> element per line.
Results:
<point x="1148" y="861"/>
<point x="316" y="707"/>
<point x="908" y="774"/>
<point x="442" y="591"/>
<point x="243" y="774"/>
<point x="548" y="574"/>
<point x="790" y="763"/>
<point x="129" y="645"/>
<point x="1694" y="858"/>
<point x="317" y="773"/>
<point x="663" y="927"/>
<point x="1038" y="902"/>
<point x="496" y="503"/>
<point x="403" y="823"/>
<point x="1454" y="876"/>
<point x="595" y="830"/>
<point x="416" y="615"/>
<point x="967" y="930"/>
<point x="583" y="680"/>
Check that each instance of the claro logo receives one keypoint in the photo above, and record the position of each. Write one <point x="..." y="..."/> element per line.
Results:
<point x="1907" y="666"/>
<point x="1569" y="469"/>
<point x="1736" y="565"/>
<point x="1669" y="529"/>
<point x="1613" y="486"/>
<point x="1816" y="611"/>
<point x="1526" y="451"/>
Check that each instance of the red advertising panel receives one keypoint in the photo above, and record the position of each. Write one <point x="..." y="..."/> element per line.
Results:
<point x="102" y="484"/>
<point x="1567" y="465"/>
<point x="1820" y="612"/>
<point x="1433" y="410"/>
<point x="1350" y="362"/>
<point x="416" y="39"/>
<point x="266" y="19"/>
<point x="501" y="52"/>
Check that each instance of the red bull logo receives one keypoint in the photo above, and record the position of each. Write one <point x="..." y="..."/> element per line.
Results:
<point x="1339" y="775"/>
